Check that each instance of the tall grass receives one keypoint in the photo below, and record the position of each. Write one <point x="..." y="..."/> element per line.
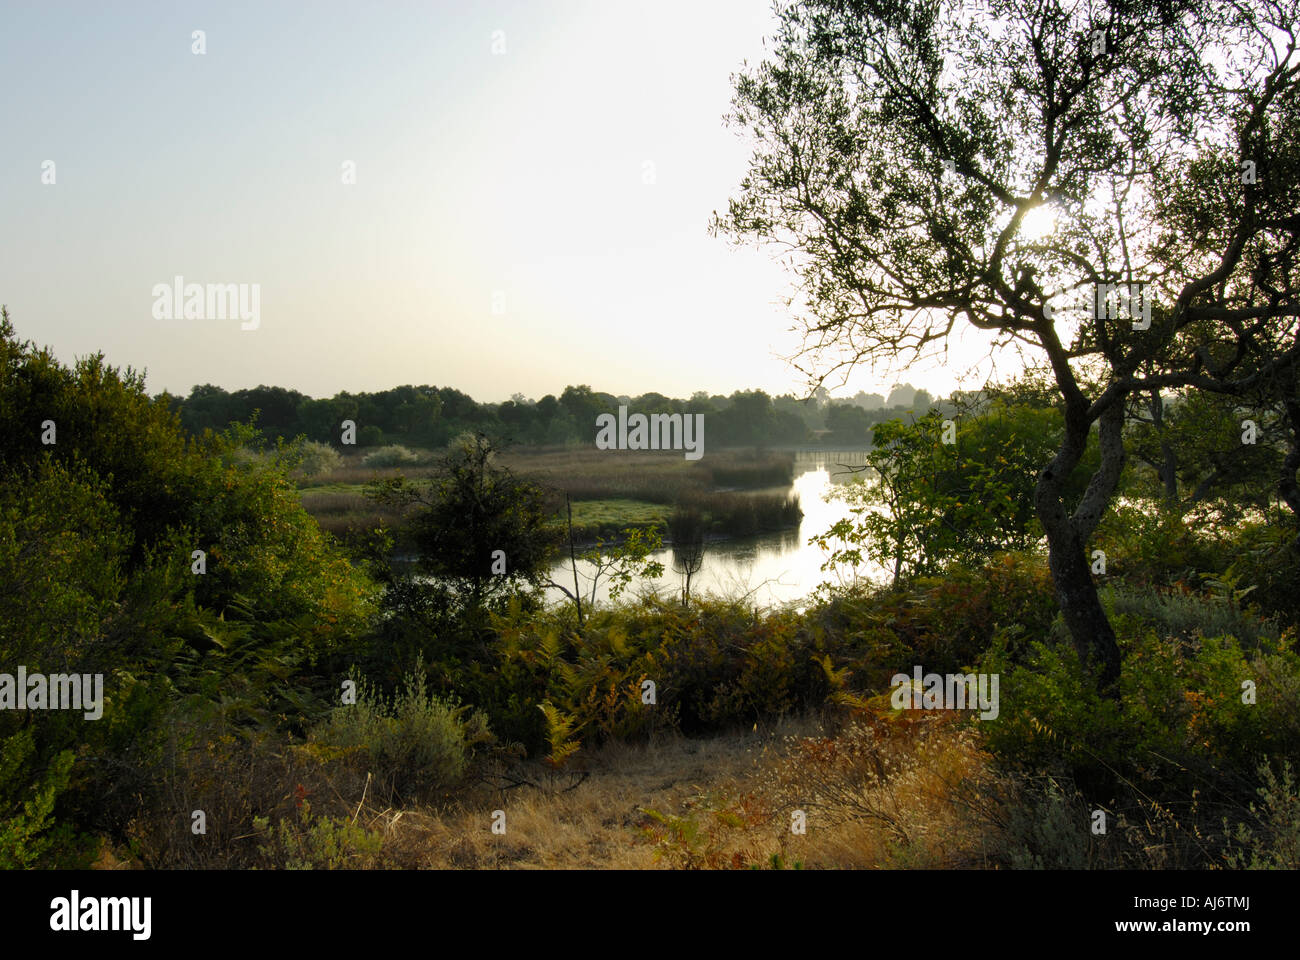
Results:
<point x="656" y="477"/>
<point x="633" y="488"/>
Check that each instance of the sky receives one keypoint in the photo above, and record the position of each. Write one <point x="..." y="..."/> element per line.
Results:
<point x="533" y="186"/>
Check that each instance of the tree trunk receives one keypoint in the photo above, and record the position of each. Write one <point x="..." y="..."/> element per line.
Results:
<point x="1093" y="636"/>
<point x="573" y="559"/>
<point x="1169" y="458"/>
<point x="1067" y="539"/>
<point x="1287" y="487"/>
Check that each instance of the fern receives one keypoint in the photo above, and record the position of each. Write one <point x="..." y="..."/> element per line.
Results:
<point x="559" y="734"/>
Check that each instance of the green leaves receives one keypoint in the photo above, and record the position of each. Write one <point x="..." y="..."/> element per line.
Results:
<point x="927" y="503"/>
<point x="559" y="734"/>
<point x="468" y="513"/>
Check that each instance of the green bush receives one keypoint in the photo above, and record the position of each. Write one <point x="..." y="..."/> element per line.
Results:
<point x="393" y="455"/>
<point x="317" y="458"/>
<point x="1185" y="615"/>
<point x="1182" y="715"/>
<point x="97" y="533"/>
<point x="1145" y="544"/>
<point x="1266" y="556"/>
<point x="1271" y="841"/>
<point x="943" y="623"/>
<point x="314" y="842"/>
<point x="30" y="836"/>
<point x="414" y="742"/>
<point x="1045" y="825"/>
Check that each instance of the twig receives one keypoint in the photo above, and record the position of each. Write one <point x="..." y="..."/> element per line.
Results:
<point x="363" y="797"/>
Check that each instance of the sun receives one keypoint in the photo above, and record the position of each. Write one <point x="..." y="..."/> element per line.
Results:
<point x="1038" y="223"/>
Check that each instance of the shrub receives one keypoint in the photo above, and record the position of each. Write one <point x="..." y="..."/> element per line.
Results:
<point x="1180" y="720"/>
<point x="318" y="458"/>
<point x="318" y="842"/>
<point x="1184" y="615"/>
<point x="29" y="836"/>
<point x="394" y="455"/>
<point x="1038" y="823"/>
<point x="1276" y="846"/>
<point x="1144" y="544"/>
<point x="414" y="741"/>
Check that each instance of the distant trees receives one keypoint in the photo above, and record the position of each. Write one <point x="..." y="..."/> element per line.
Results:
<point x="583" y="406"/>
<point x="848" y="425"/>
<point x="434" y="416"/>
<point x="902" y="395"/>
<point x="751" y="419"/>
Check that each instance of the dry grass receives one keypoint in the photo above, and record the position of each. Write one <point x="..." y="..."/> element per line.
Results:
<point x="724" y="802"/>
<point x="655" y="477"/>
<point x="876" y="794"/>
<point x="597" y="823"/>
<point x="887" y="792"/>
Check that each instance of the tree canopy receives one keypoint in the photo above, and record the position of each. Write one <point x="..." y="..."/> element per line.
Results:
<point x="905" y="152"/>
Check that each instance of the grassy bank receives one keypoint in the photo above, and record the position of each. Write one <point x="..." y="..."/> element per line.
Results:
<point x="609" y="490"/>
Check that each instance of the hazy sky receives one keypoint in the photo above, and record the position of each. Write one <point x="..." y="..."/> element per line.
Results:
<point x="571" y="177"/>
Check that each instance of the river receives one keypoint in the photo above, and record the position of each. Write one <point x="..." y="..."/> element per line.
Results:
<point x="769" y="570"/>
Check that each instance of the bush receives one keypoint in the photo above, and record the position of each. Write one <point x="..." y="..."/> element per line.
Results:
<point x="415" y="742"/>
<point x="318" y="842"/>
<point x="394" y="455"/>
<point x="318" y="458"/>
<point x="1145" y="544"/>
<point x="1044" y="823"/>
<point x="1185" y="616"/>
<point x="1183" y="717"/>
<point x="1276" y="846"/>
<point x="29" y="835"/>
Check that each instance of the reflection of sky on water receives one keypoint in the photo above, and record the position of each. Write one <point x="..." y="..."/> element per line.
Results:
<point x="771" y="569"/>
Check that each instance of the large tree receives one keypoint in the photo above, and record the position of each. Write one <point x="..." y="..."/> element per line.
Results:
<point x="905" y="155"/>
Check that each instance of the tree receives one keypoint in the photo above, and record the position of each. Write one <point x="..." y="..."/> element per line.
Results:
<point x="1192" y="444"/>
<point x="100" y="531"/>
<point x="902" y="395"/>
<point x="584" y="406"/>
<point x="929" y="502"/>
<point x="848" y="425"/>
<point x="749" y="420"/>
<point x="686" y="530"/>
<point x="868" y="401"/>
<point x="476" y="527"/>
<point x="934" y="169"/>
<point x="617" y="562"/>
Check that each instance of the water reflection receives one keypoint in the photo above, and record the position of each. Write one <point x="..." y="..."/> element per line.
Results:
<point x="771" y="569"/>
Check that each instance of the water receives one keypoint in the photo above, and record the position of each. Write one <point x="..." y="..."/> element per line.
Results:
<point x="767" y="570"/>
